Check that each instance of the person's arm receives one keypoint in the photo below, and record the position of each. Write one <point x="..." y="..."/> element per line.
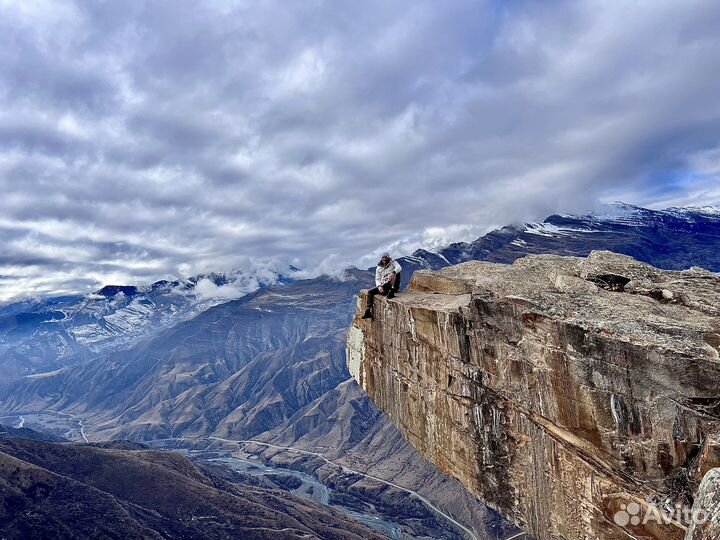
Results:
<point x="377" y="276"/>
<point x="396" y="270"/>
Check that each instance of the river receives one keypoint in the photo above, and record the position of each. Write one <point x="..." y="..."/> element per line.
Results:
<point x="309" y="488"/>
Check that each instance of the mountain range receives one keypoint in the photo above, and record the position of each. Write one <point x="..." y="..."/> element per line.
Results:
<point x="269" y="368"/>
<point x="673" y="239"/>
<point x="37" y="336"/>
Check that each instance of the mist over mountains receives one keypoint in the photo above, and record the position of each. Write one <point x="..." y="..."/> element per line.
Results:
<point x="41" y="335"/>
<point x="154" y="364"/>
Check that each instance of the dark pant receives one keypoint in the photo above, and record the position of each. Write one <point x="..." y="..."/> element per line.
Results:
<point x="395" y="287"/>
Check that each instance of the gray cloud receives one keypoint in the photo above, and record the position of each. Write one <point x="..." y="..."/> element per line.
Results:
<point x="142" y="140"/>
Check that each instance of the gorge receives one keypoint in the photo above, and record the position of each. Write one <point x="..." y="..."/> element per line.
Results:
<point x="271" y="366"/>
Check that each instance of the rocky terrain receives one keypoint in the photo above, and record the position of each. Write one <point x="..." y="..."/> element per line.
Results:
<point x="560" y="390"/>
<point x="64" y="491"/>
<point x="706" y="509"/>
<point x="39" y="336"/>
<point x="271" y="366"/>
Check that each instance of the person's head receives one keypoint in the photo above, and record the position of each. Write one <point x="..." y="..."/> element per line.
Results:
<point x="385" y="259"/>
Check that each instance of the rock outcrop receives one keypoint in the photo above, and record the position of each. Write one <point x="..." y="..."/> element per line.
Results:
<point x="576" y="396"/>
<point x="706" y="511"/>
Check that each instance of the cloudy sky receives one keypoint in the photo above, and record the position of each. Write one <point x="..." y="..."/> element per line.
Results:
<point x="148" y="139"/>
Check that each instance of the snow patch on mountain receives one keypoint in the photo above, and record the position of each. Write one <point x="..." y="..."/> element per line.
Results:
<point x="46" y="374"/>
<point x="619" y="213"/>
<point x="116" y="316"/>
<point x="705" y="211"/>
<point x="614" y="211"/>
<point x="552" y="230"/>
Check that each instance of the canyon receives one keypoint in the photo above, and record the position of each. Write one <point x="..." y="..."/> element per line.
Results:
<point x="174" y="370"/>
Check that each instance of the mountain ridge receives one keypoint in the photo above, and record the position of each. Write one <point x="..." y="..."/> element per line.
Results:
<point x="271" y="365"/>
<point x="59" y="491"/>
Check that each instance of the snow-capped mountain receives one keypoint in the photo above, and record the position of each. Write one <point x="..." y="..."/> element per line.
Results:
<point x="628" y="214"/>
<point x="45" y="335"/>
<point x="674" y="239"/>
<point x="271" y="365"/>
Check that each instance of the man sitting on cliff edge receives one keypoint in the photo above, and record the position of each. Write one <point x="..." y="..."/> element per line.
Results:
<point x="387" y="282"/>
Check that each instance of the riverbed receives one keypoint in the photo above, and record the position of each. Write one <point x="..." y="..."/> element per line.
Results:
<point x="309" y="488"/>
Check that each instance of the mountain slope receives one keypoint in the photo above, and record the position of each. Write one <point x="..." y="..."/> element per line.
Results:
<point x="349" y="429"/>
<point x="242" y="367"/>
<point x="271" y="365"/>
<point x="59" y="491"/>
<point x="672" y="239"/>
<point x="41" y="336"/>
<point x="243" y="370"/>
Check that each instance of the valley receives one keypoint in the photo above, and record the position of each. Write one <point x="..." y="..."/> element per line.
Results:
<point x="263" y="377"/>
<point x="55" y="423"/>
<point x="246" y="458"/>
<point x="250" y="464"/>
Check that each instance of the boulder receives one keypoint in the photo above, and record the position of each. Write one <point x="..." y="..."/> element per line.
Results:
<point x="706" y="510"/>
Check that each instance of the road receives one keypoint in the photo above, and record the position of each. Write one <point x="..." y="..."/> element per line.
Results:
<point x="72" y="417"/>
<point x="430" y="505"/>
<point x="21" y="422"/>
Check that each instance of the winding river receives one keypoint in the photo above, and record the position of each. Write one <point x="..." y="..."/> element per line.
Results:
<point x="72" y="428"/>
<point x="309" y="488"/>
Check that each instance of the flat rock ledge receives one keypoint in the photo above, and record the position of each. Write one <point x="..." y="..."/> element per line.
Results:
<point x="578" y="397"/>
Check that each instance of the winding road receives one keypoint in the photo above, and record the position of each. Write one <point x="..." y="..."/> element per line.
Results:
<point x="430" y="505"/>
<point x="74" y="418"/>
<point x="411" y="492"/>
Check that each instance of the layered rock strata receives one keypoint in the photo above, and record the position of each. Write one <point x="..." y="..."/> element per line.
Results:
<point x="561" y="391"/>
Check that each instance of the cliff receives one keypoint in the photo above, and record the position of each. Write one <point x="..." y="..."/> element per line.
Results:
<point x="570" y="394"/>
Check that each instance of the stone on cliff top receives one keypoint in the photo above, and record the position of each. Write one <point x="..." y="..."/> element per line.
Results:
<point x="560" y="390"/>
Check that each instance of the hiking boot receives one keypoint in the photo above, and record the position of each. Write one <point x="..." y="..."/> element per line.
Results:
<point x="367" y="314"/>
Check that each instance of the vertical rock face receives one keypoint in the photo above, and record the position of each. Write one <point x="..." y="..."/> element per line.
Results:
<point x="570" y="394"/>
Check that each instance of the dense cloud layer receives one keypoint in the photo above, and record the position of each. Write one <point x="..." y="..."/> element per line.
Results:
<point x="147" y="139"/>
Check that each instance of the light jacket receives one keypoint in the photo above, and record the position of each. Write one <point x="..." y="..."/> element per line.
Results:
<point x="384" y="273"/>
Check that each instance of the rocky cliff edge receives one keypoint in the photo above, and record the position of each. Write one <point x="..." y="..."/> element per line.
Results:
<point x="579" y="397"/>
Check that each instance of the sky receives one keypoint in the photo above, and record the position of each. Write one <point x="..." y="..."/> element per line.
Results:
<point x="142" y="140"/>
